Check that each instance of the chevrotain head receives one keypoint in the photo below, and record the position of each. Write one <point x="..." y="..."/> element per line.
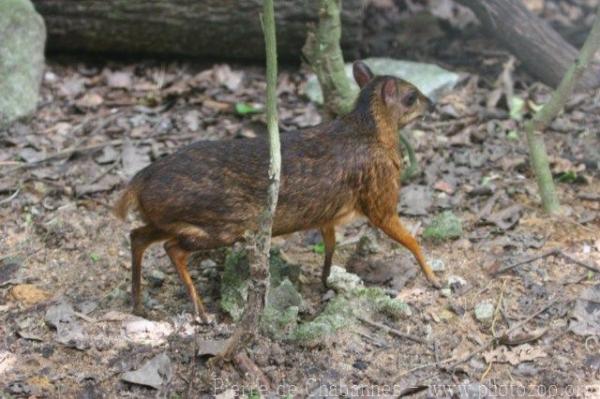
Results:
<point x="395" y="100"/>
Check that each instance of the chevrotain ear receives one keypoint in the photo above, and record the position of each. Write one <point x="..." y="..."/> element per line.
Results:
<point x="362" y="73"/>
<point x="389" y="91"/>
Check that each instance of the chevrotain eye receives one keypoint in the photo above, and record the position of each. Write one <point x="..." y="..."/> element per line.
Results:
<point x="410" y="99"/>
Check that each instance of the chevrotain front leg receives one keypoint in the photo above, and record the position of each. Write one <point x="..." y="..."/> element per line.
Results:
<point x="394" y="229"/>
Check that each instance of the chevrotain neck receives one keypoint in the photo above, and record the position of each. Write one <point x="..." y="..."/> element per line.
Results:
<point x="372" y="117"/>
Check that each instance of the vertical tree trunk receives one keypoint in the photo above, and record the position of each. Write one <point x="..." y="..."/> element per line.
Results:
<point x="260" y="243"/>
<point x="324" y="54"/>
<point x="542" y="118"/>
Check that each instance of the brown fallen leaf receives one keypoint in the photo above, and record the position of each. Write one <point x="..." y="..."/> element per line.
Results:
<point x="119" y="79"/>
<point x="444" y="186"/>
<point x="506" y="218"/>
<point x="522" y="337"/>
<point x="89" y="100"/>
<point x="29" y="294"/>
<point x="514" y="356"/>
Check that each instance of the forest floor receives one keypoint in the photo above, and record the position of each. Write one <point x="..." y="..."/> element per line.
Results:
<point x="65" y="323"/>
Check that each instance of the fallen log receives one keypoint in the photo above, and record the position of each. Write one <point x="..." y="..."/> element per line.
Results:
<point x="223" y="29"/>
<point x="541" y="50"/>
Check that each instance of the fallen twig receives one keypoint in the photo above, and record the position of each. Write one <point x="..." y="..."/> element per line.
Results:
<point x="589" y="196"/>
<point x="393" y="331"/>
<point x="12" y="196"/>
<point x="554" y="252"/>
<point x="247" y="366"/>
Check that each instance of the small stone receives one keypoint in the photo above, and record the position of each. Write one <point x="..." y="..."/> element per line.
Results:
<point x="156" y="278"/>
<point x="330" y="294"/>
<point x="446" y="292"/>
<point x="456" y="283"/>
<point x="484" y="311"/>
<point x="340" y="280"/>
<point x="360" y="364"/>
<point x="437" y="265"/>
<point x="209" y="268"/>
<point x="208" y="264"/>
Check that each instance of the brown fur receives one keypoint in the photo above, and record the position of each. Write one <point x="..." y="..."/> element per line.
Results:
<point x="209" y="193"/>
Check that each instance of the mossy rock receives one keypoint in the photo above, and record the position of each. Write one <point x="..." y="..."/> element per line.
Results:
<point x="444" y="226"/>
<point x="279" y="323"/>
<point x="22" y="42"/>
<point x="344" y="310"/>
<point x="337" y="314"/>
<point x="380" y="302"/>
<point x="280" y="318"/>
<point x="234" y="282"/>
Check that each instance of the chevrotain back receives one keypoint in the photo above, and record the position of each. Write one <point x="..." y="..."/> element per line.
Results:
<point x="330" y="172"/>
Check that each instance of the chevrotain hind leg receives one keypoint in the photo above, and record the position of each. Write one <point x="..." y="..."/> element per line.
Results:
<point x="140" y="239"/>
<point x="328" y="233"/>
<point x="393" y="228"/>
<point x="179" y="257"/>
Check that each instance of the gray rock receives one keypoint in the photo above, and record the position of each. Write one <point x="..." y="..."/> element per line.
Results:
<point x="340" y="280"/>
<point x="60" y="313"/>
<point x="68" y="330"/>
<point x="208" y="264"/>
<point x="484" y="311"/>
<point x="284" y="296"/>
<point x="437" y="265"/>
<point x="430" y="79"/>
<point x="456" y="283"/>
<point x="153" y="373"/>
<point x="156" y="278"/>
<point x="23" y="38"/>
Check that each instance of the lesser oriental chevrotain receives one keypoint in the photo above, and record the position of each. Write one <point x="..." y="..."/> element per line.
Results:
<point x="209" y="193"/>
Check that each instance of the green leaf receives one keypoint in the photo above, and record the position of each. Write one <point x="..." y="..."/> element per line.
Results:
<point x="516" y="106"/>
<point x="94" y="257"/>
<point x="254" y="395"/>
<point x="319" y="248"/>
<point x="242" y="108"/>
<point x="512" y="135"/>
<point x="567" y="177"/>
